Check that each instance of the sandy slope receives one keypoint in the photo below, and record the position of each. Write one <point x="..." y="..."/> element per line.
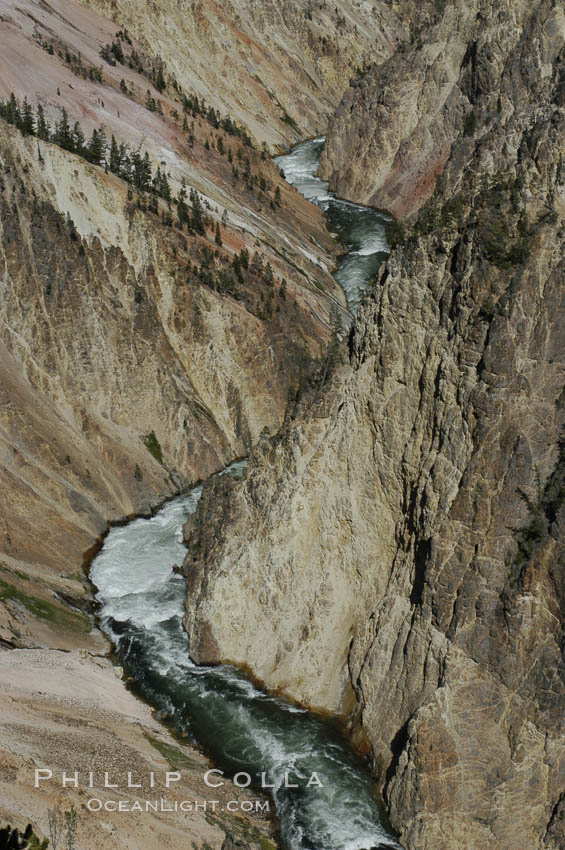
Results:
<point x="70" y="711"/>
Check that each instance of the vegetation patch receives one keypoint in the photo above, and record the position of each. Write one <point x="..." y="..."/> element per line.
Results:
<point x="41" y="608"/>
<point x="176" y="758"/>
<point x="12" y="839"/>
<point x="543" y="511"/>
<point x="153" y="446"/>
<point x="285" y="117"/>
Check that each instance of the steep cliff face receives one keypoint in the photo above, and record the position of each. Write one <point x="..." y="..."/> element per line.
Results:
<point x="107" y="339"/>
<point x="140" y="349"/>
<point x="279" y="66"/>
<point x="462" y="64"/>
<point x="135" y="355"/>
<point x="397" y="553"/>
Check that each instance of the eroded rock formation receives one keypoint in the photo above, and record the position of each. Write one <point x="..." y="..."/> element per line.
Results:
<point x="135" y="357"/>
<point x="463" y="65"/>
<point x="397" y="553"/>
<point x="280" y="66"/>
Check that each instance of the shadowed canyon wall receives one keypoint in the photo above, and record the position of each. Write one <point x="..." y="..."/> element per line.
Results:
<point x="397" y="552"/>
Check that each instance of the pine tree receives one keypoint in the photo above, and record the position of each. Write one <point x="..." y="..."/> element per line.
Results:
<point x="78" y="139"/>
<point x="257" y="264"/>
<point x="182" y="208"/>
<point x="114" y="161"/>
<point x="27" y="122"/>
<point x="166" y="189"/>
<point x="212" y="118"/>
<point x="145" y="172"/>
<point x="197" y="220"/>
<point x="218" y="237"/>
<point x="106" y="54"/>
<point x="43" y="129"/>
<point x="63" y="134"/>
<point x="13" y="111"/>
<point x="141" y="170"/>
<point x="96" y="148"/>
<point x="117" y="52"/>
<point x="125" y="163"/>
<point x="160" y="83"/>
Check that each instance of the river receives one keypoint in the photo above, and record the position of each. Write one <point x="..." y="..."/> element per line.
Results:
<point x="362" y="229"/>
<point x="242" y="728"/>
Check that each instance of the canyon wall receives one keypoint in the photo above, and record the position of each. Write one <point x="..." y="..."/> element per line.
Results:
<point x="137" y="353"/>
<point x="280" y="66"/>
<point x="461" y="66"/>
<point x="396" y="553"/>
<point x="134" y="357"/>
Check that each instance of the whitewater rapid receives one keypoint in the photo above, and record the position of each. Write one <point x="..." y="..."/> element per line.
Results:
<point x="362" y="229"/>
<point x="242" y="728"/>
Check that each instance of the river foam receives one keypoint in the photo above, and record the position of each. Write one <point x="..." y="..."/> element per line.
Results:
<point x="362" y="229"/>
<point x="244" y="729"/>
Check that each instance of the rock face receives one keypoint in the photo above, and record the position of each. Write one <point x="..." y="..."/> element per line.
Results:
<point x="279" y="66"/>
<point x="106" y="341"/>
<point x="116" y="325"/>
<point x="462" y="64"/>
<point x="397" y="553"/>
<point x="138" y="353"/>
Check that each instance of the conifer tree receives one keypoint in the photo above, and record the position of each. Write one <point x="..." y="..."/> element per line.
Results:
<point x="78" y="139"/>
<point x="182" y="208"/>
<point x="43" y="129"/>
<point x="125" y="163"/>
<point x="160" y="83"/>
<point x="197" y="220"/>
<point x="63" y="133"/>
<point x="14" y="116"/>
<point x="114" y="161"/>
<point x="27" y="121"/>
<point x="96" y="148"/>
<point x="145" y="172"/>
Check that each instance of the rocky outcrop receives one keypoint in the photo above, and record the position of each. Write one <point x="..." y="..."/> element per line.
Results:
<point x="397" y="553"/>
<point x="134" y="359"/>
<point x="463" y="65"/>
<point x="123" y="375"/>
<point x="279" y="66"/>
<point x="137" y="354"/>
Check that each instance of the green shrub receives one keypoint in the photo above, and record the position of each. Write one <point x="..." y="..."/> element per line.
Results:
<point x="153" y="445"/>
<point x="395" y="233"/>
